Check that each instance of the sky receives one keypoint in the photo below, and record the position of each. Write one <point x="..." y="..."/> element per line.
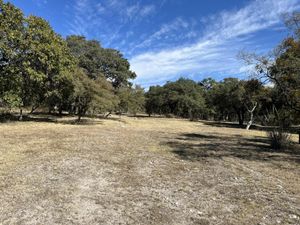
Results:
<point x="167" y="39"/>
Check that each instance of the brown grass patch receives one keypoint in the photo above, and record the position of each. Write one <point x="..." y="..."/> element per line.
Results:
<point x="144" y="171"/>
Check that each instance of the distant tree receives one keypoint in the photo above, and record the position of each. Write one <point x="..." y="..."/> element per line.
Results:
<point x="227" y="96"/>
<point x="154" y="100"/>
<point x="138" y="100"/>
<point x="253" y="93"/>
<point x="208" y="85"/>
<point x="183" y="98"/>
<point x="132" y="99"/>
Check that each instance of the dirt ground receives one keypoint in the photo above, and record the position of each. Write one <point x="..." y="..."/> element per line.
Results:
<point x="144" y="171"/>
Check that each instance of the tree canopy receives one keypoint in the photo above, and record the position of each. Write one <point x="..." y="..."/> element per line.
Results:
<point x="99" y="61"/>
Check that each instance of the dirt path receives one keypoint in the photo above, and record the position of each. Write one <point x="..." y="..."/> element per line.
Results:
<point x="144" y="171"/>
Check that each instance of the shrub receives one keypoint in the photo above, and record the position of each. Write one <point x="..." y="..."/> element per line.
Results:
<point x="279" y="139"/>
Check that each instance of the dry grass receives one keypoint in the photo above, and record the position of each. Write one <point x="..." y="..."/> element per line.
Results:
<point x="144" y="171"/>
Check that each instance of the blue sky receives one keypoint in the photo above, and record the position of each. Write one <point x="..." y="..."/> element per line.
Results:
<point x="167" y="39"/>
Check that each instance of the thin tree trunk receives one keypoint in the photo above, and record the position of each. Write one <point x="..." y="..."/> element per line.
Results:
<point x="251" y="116"/>
<point x="250" y="121"/>
<point x="21" y="114"/>
<point x="241" y="119"/>
<point x="60" y="110"/>
<point x="79" y="117"/>
<point x="80" y="113"/>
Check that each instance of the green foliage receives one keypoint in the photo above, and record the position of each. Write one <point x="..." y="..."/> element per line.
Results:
<point x="132" y="100"/>
<point x="98" y="61"/>
<point x="286" y="76"/>
<point x="182" y="98"/>
<point x="10" y="100"/>
<point x="11" y="51"/>
<point x="38" y="67"/>
<point x="228" y="98"/>
<point x="94" y="96"/>
<point x="33" y="58"/>
<point x="154" y="100"/>
<point x="48" y="61"/>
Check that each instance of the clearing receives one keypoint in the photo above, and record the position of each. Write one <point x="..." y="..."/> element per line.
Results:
<point x="144" y="171"/>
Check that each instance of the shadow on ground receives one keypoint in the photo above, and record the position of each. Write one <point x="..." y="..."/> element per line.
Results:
<point x="223" y="124"/>
<point x="51" y="118"/>
<point x="198" y="147"/>
<point x="292" y="129"/>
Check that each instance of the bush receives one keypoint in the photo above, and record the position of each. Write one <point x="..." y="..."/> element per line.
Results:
<point x="279" y="139"/>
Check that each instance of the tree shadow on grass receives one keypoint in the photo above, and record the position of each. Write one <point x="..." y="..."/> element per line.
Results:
<point x="48" y="118"/>
<point x="236" y="125"/>
<point x="198" y="147"/>
<point x="223" y="124"/>
<point x="292" y="129"/>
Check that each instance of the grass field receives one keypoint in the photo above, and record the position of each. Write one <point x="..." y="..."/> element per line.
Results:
<point x="144" y="171"/>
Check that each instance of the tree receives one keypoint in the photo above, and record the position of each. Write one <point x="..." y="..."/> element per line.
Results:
<point x="282" y="71"/>
<point x="227" y="96"/>
<point x="11" y="53"/>
<point x="98" y="61"/>
<point x="91" y="95"/>
<point x="183" y="98"/>
<point x="132" y="100"/>
<point x="154" y="100"/>
<point x="209" y="85"/>
<point x="253" y="89"/>
<point x="33" y="59"/>
<point x="116" y="68"/>
<point x="49" y="61"/>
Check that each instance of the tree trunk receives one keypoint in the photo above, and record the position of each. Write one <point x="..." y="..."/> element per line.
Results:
<point x="79" y="117"/>
<point x="241" y="118"/>
<point x="21" y="114"/>
<point x="251" y="116"/>
<point x="250" y="121"/>
<point x="60" y="110"/>
<point x="79" y="113"/>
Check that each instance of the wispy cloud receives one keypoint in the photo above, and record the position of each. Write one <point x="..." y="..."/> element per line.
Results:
<point x="136" y="11"/>
<point x="178" y="24"/>
<point x="105" y="19"/>
<point x="40" y="3"/>
<point x="214" y="52"/>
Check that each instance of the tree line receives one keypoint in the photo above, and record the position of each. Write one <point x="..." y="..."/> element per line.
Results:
<point x="41" y="69"/>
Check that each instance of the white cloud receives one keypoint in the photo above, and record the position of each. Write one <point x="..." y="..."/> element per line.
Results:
<point x="41" y="3"/>
<point x="215" y="51"/>
<point x="168" y="30"/>
<point x="147" y="10"/>
<point x="105" y="19"/>
<point x="136" y="11"/>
